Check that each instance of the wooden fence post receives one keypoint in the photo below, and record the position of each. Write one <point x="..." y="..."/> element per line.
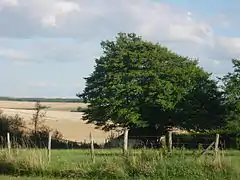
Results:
<point x="92" y="148"/>
<point x="8" y="142"/>
<point x="217" y="143"/>
<point x="49" y="145"/>
<point x="169" y="139"/>
<point x="163" y="142"/>
<point x="125" y="141"/>
<point x="67" y="144"/>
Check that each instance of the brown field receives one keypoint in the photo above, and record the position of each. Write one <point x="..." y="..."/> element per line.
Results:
<point x="58" y="116"/>
<point x="53" y="106"/>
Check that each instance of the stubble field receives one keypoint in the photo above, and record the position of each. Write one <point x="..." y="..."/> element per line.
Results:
<point x="58" y="116"/>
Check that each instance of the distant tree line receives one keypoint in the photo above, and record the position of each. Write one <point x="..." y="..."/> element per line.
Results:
<point x="73" y="100"/>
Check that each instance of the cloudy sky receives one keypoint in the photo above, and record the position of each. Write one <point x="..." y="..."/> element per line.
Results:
<point x="48" y="46"/>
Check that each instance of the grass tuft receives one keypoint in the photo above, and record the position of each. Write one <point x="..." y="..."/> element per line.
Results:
<point x="110" y="164"/>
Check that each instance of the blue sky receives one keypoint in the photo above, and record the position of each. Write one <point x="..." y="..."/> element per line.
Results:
<point x="48" y="46"/>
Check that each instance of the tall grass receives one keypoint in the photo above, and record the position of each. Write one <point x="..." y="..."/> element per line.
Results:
<point x="141" y="164"/>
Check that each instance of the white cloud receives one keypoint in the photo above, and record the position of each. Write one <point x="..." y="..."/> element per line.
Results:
<point x="59" y="8"/>
<point x="13" y="54"/>
<point x="231" y="46"/>
<point x="180" y="29"/>
<point x="49" y="20"/>
<point x="8" y="3"/>
<point x="216" y="62"/>
<point x="77" y="18"/>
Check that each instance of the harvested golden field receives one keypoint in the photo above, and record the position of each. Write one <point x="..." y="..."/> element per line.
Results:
<point x="58" y="116"/>
<point x="53" y="106"/>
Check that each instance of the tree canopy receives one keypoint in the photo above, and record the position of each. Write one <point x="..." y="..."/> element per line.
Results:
<point x="202" y="109"/>
<point x="135" y="79"/>
<point x="231" y="87"/>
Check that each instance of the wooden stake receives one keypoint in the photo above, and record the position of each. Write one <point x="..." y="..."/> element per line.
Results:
<point x="169" y="141"/>
<point x="67" y="144"/>
<point x="49" y="145"/>
<point x="125" y="141"/>
<point x="163" y="142"/>
<point x="92" y="148"/>
<point x="217" y="143"/>
<point x="8" y="142"/>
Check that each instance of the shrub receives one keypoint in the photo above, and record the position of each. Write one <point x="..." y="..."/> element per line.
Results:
<point x="79" y="109"/>
<point x="12" y="124"/>
<point x="22" y="137"/>
<point x="228" y="139"/>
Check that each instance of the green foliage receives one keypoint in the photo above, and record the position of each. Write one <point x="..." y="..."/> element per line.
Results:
<point x="11" y="124"/>
<point x="231" y="87"/>
<point x="37" y="118"/>
<point x="135" y="79"/>
<point x="228" y="139"/>
<point x="202" y="109"/>
<point x="80" y="109"/>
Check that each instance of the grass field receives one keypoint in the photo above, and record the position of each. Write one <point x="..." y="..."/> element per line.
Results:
<point x="111" y="164"/>
<point x="58" y="116"/>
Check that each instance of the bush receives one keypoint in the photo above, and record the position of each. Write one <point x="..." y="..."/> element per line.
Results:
<point x="228" y="139"/>
<point x="79" y="109"/>
<point x="11" y="124"/>
<point x="22" y="137"/>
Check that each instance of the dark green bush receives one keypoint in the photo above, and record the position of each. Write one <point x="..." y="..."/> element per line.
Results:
<point x="79" y="109"/>
<point x="11" y="124"/>
<point x="228" y="139"/>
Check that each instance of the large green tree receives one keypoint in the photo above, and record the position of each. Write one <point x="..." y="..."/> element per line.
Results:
<point x="231" y="87"/>
<point x="132" y="78"/>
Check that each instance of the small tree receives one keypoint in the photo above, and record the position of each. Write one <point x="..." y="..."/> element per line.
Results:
<point x="37" y="118"/>
<point x="40" y="130"/>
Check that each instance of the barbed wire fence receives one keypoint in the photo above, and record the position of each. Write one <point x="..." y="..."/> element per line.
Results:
<point x="168" y="142"/>
<point x="117" y="141"/>
<point x="187" y="141"/>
